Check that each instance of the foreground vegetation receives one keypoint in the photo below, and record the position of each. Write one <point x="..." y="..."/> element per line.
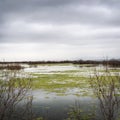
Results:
<point x="13" y="92"/>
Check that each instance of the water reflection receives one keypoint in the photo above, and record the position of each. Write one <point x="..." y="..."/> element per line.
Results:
<point x="56" y="107"/>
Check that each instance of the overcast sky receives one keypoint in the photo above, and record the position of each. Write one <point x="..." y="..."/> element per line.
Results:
<point x="59" y="29"/>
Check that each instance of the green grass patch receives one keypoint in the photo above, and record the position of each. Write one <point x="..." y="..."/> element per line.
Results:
<point x="58" y="82"/>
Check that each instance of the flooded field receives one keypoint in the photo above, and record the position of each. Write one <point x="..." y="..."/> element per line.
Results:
<point x="59" y="88"/>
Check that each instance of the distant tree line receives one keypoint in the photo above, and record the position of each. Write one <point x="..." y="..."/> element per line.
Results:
<point x="111" y="62"/>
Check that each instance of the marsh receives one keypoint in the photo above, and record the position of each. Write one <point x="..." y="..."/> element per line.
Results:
<point x="56" y="88"/>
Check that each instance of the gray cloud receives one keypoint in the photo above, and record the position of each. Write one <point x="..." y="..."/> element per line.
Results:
<point x="63" y="11"/>
<point x="67" y="22"/>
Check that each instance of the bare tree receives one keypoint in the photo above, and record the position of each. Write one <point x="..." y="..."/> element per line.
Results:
<point x="14" y="93"/>
<point x="106" y="88"/>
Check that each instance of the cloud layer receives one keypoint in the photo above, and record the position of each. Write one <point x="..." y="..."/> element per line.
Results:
<point x="59" y="29"/>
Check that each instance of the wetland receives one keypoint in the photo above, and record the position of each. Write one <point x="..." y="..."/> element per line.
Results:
<point x="59" y="88"/>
